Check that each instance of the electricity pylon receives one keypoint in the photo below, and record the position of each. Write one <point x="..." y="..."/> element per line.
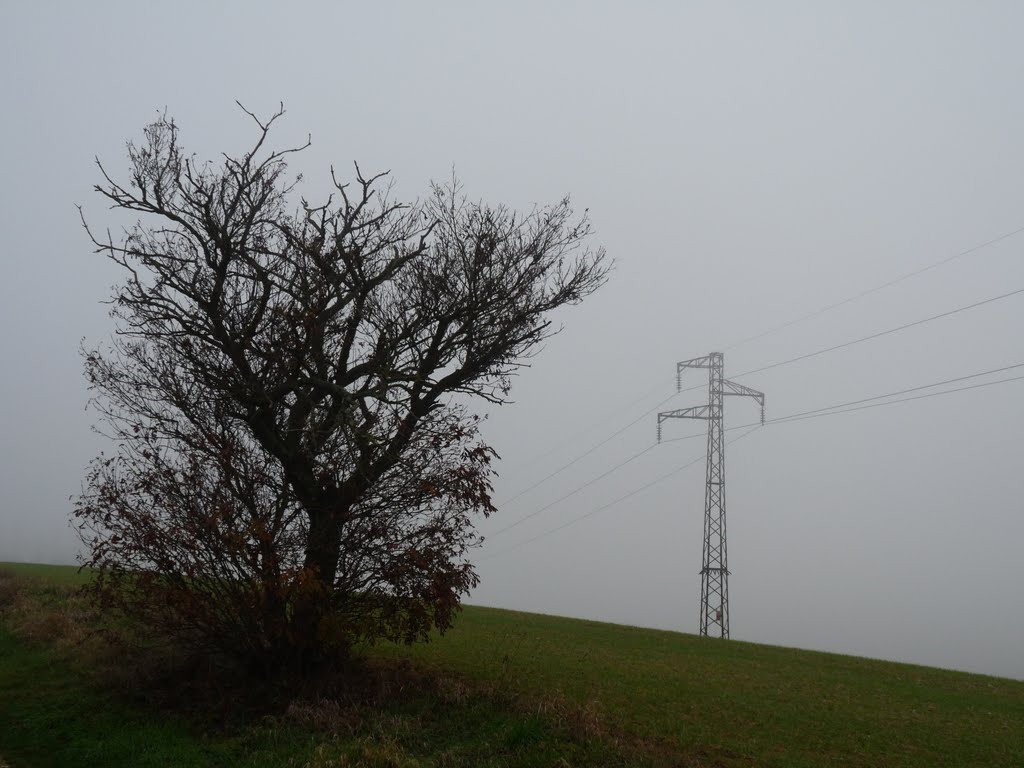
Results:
<point x="714" y="575"/>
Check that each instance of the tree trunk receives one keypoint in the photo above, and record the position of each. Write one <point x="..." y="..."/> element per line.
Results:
<point x="323" y="549"/>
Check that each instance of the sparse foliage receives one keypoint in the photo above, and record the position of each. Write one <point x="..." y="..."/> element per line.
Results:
<point x="288" y="389"/>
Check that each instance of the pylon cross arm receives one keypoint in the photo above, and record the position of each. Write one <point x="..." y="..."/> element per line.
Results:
<point x="698" y="362"/>
<point x="732" y="388"/>
<point x="697" y="412"/>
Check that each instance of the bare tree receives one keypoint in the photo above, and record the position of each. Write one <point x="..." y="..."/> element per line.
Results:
<point x="288" y="389"/>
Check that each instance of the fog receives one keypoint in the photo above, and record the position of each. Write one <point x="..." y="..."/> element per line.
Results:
<point x="744" y="164"/>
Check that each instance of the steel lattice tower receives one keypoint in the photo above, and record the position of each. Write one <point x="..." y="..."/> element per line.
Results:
<point x="714" y="574"/>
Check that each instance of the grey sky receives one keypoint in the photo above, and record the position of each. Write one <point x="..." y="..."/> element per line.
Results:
<point x="745" y="163"/>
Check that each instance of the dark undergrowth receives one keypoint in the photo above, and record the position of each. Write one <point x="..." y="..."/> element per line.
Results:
<point x="80" y="689"/>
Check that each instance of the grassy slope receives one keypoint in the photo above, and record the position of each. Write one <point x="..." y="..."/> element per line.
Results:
<point x="734" y="702"/>
<point x="65" y="575"/>
<point x="714" y="703"/>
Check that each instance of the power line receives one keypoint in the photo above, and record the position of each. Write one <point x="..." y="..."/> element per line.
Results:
<point x="588" y="451"/>
<point x="870" y="337"/>
<point x="886" y="332"/>
<point x="875" y="289"/>
<point x="801" y="416"/>
<point x="573" y="492"/>
<point x="833" y="408"/>
<point x="806" y="356"/>
<point x="908" y="390"/>
<point x="537" y="457"/>
<point x="603" y="507"/>
<point x="830" y="409"/>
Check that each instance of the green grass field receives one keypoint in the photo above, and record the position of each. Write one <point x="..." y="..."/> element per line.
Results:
<point x="63" y="575"/>
<point x="559" y="689"/>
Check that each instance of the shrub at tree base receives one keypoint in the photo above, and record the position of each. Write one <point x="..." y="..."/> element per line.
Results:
<point x="296" y="468"/>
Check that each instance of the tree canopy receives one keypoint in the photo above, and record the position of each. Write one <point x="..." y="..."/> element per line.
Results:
<point x="290" y="390"/>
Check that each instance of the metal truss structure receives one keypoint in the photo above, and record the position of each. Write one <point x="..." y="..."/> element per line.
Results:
<point x="714" y="580"/>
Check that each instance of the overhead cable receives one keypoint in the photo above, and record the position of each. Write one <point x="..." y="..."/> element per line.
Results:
<point x="586" y="453"/>
<point x="875" y="289"/>
<point x="576" y="490"/>
<point x="832" y="408"/>
<point x="898" y="328"/>
<point x="857" y="405"/>
<point x="806" y="356"/>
